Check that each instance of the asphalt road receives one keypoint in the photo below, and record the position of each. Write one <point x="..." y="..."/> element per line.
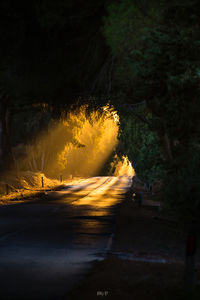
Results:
<point x="46" y="246"/>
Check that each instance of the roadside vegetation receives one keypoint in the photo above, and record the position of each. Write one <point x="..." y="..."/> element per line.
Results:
<point x="155" y="47"/>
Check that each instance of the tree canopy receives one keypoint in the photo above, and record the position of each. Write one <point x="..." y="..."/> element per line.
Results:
<point x="51" y="51"/>
<point x="156" y="50"/>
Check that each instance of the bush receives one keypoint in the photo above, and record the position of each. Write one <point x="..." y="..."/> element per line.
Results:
<point x="181" y="192"/>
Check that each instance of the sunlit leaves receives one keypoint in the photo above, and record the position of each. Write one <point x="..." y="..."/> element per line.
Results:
<point x="141" y="146"/>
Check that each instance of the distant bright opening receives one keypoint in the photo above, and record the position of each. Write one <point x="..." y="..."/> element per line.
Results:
<point x="124" y="167"/>
<point x="78" y="145"/>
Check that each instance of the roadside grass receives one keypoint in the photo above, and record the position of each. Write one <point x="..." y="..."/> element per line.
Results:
<point x="22" y="186"/>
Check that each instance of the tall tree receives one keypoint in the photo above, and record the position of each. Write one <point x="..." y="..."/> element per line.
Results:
<point x="5" y="130"/>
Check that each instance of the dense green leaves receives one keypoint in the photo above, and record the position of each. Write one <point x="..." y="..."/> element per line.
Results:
<point x="141" y="146"/>
<point x="157" y="60"/>
<point x="181" y="191"/>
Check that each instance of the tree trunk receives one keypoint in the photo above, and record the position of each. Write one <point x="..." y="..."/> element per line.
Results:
<point x="166" y="147"/>
<point x="5" y="124"/>
<point x="42" y="160"/>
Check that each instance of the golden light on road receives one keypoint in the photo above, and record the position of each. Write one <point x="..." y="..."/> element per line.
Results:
<point x="108" y="193"/>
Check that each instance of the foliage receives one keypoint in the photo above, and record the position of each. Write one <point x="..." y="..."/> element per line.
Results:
<point x="126" y="22"/>
<point x="79" y="144"/>
<point x="168" y="68"/>
<point x="181" y="191"/>
<point x="158" y="61"/>
<point x="141" y="146"/>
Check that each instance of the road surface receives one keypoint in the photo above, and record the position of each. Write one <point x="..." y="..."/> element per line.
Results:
<point x="46" y="246"/>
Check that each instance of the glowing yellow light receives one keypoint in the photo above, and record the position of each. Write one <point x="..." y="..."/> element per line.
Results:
<point x="116" y="117"/>
<point x="110" y="112"/>
<point x="79" y="144"/>
<point x="124" y="167"/>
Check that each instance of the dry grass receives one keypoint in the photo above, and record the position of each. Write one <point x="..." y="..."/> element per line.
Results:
<point x="23" y="185"/>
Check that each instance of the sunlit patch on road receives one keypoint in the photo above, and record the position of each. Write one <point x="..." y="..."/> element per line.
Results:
<point x="98" y="196"/>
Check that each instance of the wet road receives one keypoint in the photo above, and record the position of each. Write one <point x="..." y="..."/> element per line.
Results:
<point x="47" y="246"/>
